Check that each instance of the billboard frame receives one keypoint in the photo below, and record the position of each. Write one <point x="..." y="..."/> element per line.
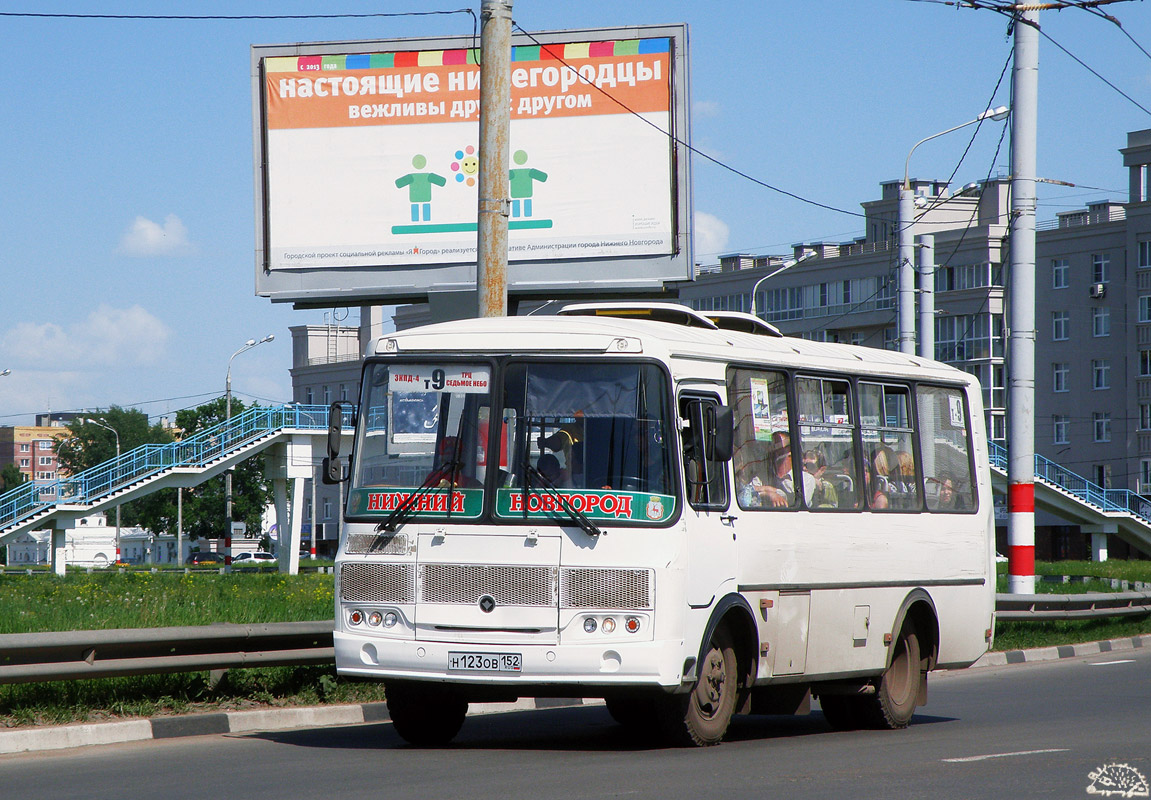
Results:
<point x="619" y="276"/>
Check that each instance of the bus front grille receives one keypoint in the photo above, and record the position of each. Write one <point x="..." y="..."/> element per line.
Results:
<point x="507" y="585"/>
<point x="377" y="583"/>
<point x="628" y="589"/>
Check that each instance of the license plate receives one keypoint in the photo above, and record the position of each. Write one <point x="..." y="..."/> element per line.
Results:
<point x="485" y="662"/>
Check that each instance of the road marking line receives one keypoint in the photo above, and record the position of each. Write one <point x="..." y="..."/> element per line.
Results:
<point x="1005" y="755"/>
<point x="1109" y="663"/>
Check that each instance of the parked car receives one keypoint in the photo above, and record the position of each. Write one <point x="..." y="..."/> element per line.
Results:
<point x="206" y="558"/>
<point x="252" y="558"/>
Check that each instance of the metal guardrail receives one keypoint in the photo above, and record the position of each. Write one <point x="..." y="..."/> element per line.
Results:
<point x="71" y="655"/>
<point x="1095" y="605"/>
<point x="196" y="451"/>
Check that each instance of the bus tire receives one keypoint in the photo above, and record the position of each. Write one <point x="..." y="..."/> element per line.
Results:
<point x="894" y="701"/>
<point x="425" y="716"/>
<point x="702" y="716"/>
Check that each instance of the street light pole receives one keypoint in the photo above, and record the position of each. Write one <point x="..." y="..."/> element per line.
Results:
<point x="772" y="274"/>
<point x="905" y="318"/>
<point x="107" y="427"/>
<point x="248" y="345"/>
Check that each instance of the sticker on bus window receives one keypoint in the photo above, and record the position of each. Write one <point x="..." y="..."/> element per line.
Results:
<point x="760" y="409"/>
<point x="429" y="378"/>
<point x="955" y="402"/>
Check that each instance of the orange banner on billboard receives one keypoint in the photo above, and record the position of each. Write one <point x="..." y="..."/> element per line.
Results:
<point x="310" y="93"/>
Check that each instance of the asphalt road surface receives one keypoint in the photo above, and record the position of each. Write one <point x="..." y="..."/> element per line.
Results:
<point x="1029" y="730"/>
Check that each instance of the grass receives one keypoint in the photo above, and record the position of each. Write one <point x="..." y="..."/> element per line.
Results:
<point x="136" y="599"/>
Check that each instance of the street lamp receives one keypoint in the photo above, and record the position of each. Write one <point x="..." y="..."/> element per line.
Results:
<point x="102" y="424"/>
<point x="906" y="219"/>
<point x="248" y="345"/>
<point x="772" y="274"/>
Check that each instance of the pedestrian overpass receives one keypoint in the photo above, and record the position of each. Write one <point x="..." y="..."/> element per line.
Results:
<point x="289" y="435"/>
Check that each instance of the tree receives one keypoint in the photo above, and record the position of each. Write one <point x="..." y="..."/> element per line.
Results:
<point x="91" y="445"/>
<point x="204" y="504"/>
<point x="11" y="477"/>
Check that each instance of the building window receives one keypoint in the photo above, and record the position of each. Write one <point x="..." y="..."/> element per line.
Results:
<point x="327" y="508"/>
<point x="1100" y="373"/>
<point x="1059" y="273"/>
<point x="1145" y="254"/>
<point x="1145" y="308"/>
<point x="327" y="395"/>
<point x="1102" y="424"/>
<point x="1144" y="475"/>
<point x="45" y="461"/>
<point x="344" y="390"/>
<point x="307" y="395"/>
<point x="45" y="476"/>
<point x="25" y="462"/>
<point x="1060" y="325"/>
<point x="1145" y="416"/>
<point x="1059" y="374"/>
<point x="1100" y="268"/>
<point x="25" y="448"/>
<point x="1145" y="363"/>
<point x="1060" y="425"/>
<point x="44" y="444"/>
<point x="1100" y="322"/>
<point x="308" y="509"/>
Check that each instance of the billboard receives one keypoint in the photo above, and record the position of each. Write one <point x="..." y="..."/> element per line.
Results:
<point x="367" y="166"/>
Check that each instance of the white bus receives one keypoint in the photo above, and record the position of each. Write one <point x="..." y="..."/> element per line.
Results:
<point x="685" y="514"/>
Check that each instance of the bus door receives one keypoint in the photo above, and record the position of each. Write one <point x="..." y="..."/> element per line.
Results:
<point x="710" y="529"/>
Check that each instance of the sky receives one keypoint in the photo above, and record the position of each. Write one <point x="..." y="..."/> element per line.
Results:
<point x="127" y="235"/>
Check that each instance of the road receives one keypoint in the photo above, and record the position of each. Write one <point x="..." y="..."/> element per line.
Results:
<point x="1029" y="730"/>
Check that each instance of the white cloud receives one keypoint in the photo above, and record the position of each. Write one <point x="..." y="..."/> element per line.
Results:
<point x="705" y="108"/>
<point x="710" y="237"/>
<point x="146" y="238"/>
<point x="108" y="337"/>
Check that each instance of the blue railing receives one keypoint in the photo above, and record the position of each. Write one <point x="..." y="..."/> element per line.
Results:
<point x="1085" y="490"/>
<point x="196" y="452"/>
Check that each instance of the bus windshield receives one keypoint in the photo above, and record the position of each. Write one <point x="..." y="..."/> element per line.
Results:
<point x="421" y="440"/>
<point x="601" y="434"/>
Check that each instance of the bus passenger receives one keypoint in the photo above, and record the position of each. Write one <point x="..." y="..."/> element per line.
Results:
<point x="824" y="495"/>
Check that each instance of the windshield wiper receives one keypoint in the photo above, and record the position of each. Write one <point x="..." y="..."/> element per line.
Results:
<point x="405" y="509"/>
<point x="545" y="483"/>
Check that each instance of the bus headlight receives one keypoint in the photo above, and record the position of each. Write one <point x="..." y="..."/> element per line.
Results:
<point x="375" y="618"/>
<point x="589" y="625"/>
<point x="390" y="619"/>
<point x="608" y="625"/>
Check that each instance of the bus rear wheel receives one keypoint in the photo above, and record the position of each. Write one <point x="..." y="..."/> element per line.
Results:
<point x="702" y="716"/>
<point x="893" y="702"/>
<point x="425" y="715"/>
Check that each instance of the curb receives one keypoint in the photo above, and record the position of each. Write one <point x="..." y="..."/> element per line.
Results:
<point x="64" y="737"/>
<point x="1003" y="658"/>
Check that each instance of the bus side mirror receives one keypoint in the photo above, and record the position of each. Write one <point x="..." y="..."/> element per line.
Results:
<point x="332" y="470"/>
<point x="720" y="435"/>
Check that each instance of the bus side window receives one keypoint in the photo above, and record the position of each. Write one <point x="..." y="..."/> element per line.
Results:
<point x="705" y="476"/>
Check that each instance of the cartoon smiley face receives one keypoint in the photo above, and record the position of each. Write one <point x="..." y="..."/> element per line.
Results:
<point x="470" y="165"/>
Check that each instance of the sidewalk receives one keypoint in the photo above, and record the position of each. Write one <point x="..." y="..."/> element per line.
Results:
<point x="62" y="737"/>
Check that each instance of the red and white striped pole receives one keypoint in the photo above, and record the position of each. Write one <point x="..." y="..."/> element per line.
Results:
<point x="1021" y="294"/>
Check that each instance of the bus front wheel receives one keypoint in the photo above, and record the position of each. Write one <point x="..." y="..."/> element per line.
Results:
<point x="702" y="716"/>
<point x="425" y="716"/>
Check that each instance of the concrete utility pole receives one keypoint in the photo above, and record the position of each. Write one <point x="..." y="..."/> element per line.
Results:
<point x="926" y="247"/>
<point x="495" y="116"/>
<point x="1021" y="310"/>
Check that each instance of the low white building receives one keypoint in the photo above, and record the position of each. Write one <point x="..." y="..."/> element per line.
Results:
<point x="92" y="543"/>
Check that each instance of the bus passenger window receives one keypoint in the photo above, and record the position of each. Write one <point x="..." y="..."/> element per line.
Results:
<point x="944" y="442"/>
<point x="766" y="476"/>
<point x="888" y="445"/>
<point x="827" y="441"/>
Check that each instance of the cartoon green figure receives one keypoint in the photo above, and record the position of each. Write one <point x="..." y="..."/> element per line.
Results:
<point x="522" y="184"/>
<point x="420" y="188"/>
